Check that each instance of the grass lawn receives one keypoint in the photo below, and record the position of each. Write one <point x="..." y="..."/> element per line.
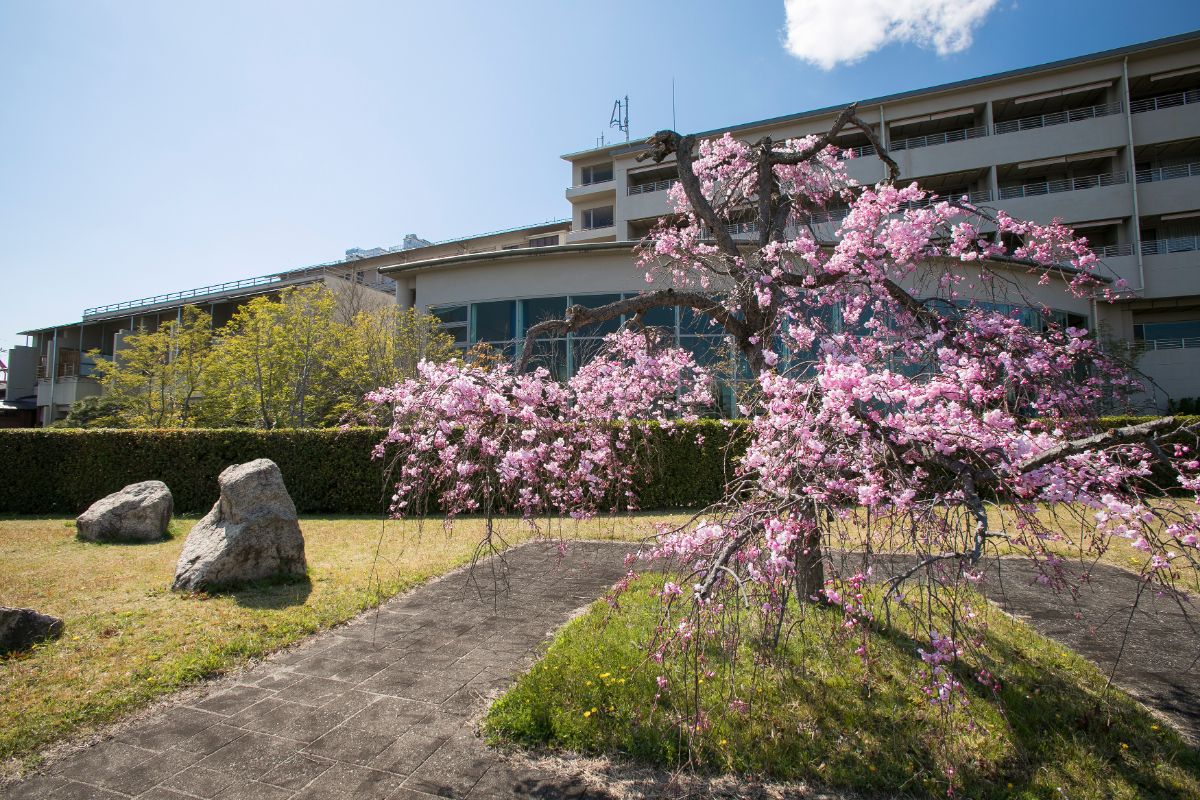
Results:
<point x="815" y="713"/>
<point x="129" y="640"/>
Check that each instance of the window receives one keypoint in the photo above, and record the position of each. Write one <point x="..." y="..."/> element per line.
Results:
<point x="544" y="241"/>
<point x="511" y="247"/>
<point x="496" y="321"/>
<point x="540" y="309"/>
<point x="597" y="173"/>
<point x="597" y="218"/>
<point x="1166" y="330"/>
<point x="454" y="322"/>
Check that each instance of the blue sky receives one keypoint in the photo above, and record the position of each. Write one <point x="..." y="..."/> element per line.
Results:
<point x="147" y="147"/>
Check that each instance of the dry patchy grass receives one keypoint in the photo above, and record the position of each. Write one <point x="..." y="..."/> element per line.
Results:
<point x="129" y="640"/>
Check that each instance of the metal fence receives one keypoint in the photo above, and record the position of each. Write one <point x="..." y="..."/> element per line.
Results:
<point x="1186" y="343"/>
<point x="1155" y="174"/>
<point x="1056" y="118"/>
<point x="1172" y="100"/>
<point x="960" y="135"/>
<point x="1062" y="185"/>
<point x="1174" y="244"/>
<point x="653" y="186"/>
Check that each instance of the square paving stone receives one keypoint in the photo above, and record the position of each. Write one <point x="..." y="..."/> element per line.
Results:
<point x="172" y="728"/>
<point x="39" y="787"/>
<point x="102" y="762"/>
<point x="453" y="769"/>
<point x="348" y="703"/>
<point x="264" y="706"/>
<point x="394" y="680"/>
<point x="253" y="790"/>
<point x="149" y="773"/>
<point x="163" y="793"/>
<point x="232" y="701"/>
<point x="322" y="665"/>
<point x="201" y="782"/>
<point x="251" y="756"/>
<point x="391" y="715"/>
<point x="279" y="679"/>
<point x="351" y="745"/>
<point x="212" y="739"/>
<point x="82" y="791"/>
<point x="294" y="721"/>
<point x="312" y="691"/>
<point x="410" y="751"/>
<point x="358" y="670"/>
<point x="297" y="772"/>
<point x="342" y="781"/>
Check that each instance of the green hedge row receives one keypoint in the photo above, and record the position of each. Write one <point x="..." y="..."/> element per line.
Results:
<point x="63" y="471"/>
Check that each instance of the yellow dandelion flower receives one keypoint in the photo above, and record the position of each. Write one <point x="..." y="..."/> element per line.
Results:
<point x="604" y="675"/>
<point x="1124" y="746"/>
<point x="587" y="714"/>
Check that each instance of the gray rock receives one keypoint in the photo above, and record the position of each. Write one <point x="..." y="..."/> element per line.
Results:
<point x="138" y="513"/>
<point x="22" y="627"/>
<point x="251" y="533"/>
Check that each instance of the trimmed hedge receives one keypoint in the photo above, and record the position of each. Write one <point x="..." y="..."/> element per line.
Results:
<point x="63" y="471"/>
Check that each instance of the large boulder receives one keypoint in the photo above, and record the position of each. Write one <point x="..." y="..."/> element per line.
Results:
<point x="22" y="627"/>
<point x="251" y="533"/>
<point x="138" y="513"/>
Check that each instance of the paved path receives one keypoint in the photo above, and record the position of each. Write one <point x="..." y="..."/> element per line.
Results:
<point x="384" y="707"/>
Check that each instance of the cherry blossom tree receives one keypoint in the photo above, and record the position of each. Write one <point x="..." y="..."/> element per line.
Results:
<point x="907" y="393"/>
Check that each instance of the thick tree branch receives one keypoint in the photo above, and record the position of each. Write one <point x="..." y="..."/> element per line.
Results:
<point x="823" y="141"/>
<point x="663" y="144"/>
<point x="1125" y="435"/>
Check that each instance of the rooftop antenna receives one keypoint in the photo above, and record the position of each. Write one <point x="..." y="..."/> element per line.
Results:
<point x="620" y="116"/>
<point x="600" y="140"/>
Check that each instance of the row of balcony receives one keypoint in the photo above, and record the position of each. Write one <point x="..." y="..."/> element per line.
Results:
<point x="1038" y="188"/>
<point x="1151" y="175"/>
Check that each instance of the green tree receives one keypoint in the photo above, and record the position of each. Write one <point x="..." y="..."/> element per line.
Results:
<point x="99" y="411"/>
<point x="155" y="378"/>
<point x="383" y="347"/>
<point x="276" y="364"/>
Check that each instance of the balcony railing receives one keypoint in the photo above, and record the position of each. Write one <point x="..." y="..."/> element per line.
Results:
<point x="862" y="150"/>
<point x="1174" y="244"/>
<point x="1062" y="185"/>
<point x="1113" y="250"/>
<point x="1056" y="118"/>
<point x="960" y="135"/>
<point x="654" y="186"/>
<point x="1172" y="100"/>
<point x="1186" y="343"/>
<point x="1155" y="174"/>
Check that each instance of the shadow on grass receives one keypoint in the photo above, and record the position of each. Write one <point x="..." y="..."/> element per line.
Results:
<point x="271" y="593"/>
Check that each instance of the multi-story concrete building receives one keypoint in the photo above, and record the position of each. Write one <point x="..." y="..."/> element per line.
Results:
<point x="1108" y="142"/>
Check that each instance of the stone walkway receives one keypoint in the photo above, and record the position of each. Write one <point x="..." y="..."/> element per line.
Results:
<point x="381" y="709"/>
<point x="385" y="707"/>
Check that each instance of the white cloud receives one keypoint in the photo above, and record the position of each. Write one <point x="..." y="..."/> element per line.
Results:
<point x="832" y="32"/>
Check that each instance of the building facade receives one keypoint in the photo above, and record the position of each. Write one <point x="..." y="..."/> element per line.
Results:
<point x="1108" y="142"/>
